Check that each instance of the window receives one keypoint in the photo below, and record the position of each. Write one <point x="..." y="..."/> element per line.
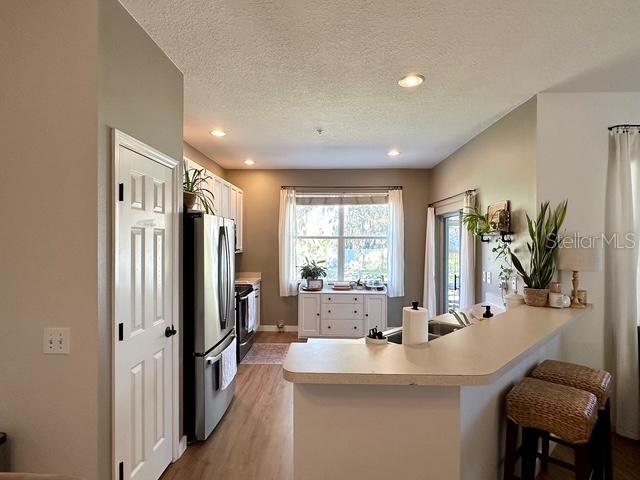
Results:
<point x="352" y="239"/>
<point x="450" y="260"/>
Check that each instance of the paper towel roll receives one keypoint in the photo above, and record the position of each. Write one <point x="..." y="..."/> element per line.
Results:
<point x="415" y="325"/>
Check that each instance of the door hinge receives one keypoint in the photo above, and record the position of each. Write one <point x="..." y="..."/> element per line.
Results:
<point x="121" y="192"/>
<point x="121" y="471"/>
<point x="120" y="332"/>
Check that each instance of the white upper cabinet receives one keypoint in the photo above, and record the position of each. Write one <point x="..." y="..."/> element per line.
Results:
<point x="227" y="200"/>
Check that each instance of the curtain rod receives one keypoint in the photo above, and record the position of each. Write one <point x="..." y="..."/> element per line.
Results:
<point x="623" y="126"/>
<point x="352" y="187"/>
<point x="471" y="190"/>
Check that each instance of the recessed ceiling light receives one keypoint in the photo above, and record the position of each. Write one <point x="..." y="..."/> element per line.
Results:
<point x="218" y="133"/>
<point x="249" y="162"/>
<point x="411" y="80"/>
<point x="393" y="152"/>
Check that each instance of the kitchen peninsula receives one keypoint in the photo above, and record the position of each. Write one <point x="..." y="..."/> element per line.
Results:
<point x="433" y="411"/>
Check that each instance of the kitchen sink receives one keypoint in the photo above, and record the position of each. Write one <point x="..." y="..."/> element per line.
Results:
<point x="436" y="330"/>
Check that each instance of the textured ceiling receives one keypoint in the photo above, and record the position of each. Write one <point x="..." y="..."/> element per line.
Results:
<point x="270" y="72"/>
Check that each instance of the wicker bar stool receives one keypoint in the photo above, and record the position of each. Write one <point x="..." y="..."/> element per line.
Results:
<point x="591" y="380"/>
<point x="540" y="408"/>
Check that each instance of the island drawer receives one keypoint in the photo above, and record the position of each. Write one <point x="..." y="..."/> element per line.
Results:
<point x="343" y="298"/>
<point x="342" y="328"/>
<point x="342" y="311"/>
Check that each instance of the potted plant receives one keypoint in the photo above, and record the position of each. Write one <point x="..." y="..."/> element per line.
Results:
<point x="311" y="271"/>
<point x="542" y="249"/>
<point x="476" y="222"/>
<point x="194" y="189"/>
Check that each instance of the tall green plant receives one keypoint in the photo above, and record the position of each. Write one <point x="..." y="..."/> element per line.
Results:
<point x="542" y="247"/>
<point x="195" y="181"/>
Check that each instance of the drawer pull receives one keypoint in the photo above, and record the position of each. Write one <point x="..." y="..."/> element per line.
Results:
<point x="366" y="314"/>
<point x="329" y="298"/>
<point x="329" y="311"/>
<point x="328" y="326"/>
<point x="317" y="314"/>
<point x="355" y="311"/>
<point x="355" y="327"/>
<point x="355" y="299"/>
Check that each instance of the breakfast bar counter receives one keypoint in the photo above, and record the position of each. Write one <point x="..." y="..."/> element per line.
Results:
<point x="415" y="412"/>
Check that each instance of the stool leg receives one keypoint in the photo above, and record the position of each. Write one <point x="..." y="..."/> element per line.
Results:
<point x="544" y="457"/>
<point x="529" y="449"/>
<point x="583" y="461"/>
<point x="605" y="444"/>
<point x="598" y="447"/>
<point x="510" y="448"/>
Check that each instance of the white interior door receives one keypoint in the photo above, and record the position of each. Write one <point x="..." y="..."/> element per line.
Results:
<point x="144" y="315"/>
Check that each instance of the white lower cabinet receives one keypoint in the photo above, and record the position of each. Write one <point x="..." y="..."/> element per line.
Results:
<point x="308" y="315"/>
<point x="341" y="314"/>
<point x="375" y="312"/>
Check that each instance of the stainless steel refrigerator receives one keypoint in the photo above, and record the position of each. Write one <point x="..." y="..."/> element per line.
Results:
<point x="209" y="319"/>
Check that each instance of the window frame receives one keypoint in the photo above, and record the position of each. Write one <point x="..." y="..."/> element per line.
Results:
<point x="341" y="242"/>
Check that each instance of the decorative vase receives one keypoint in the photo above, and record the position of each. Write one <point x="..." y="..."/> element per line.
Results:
<point x="189" y="199"/>
<point x="536" y="297"/>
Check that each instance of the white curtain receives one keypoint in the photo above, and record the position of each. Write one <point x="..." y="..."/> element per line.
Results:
<point x="622" y="277"/>
<point x="467" y="257"/>
<point x="429" y="291"/>
<point x="287" y="243"/>
<point x="395" y="284"/>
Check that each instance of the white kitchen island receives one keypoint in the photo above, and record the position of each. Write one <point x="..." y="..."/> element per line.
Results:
<point x="426" y="412"/>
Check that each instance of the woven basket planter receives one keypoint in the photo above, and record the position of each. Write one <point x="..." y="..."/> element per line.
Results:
<point x="536" y="297"/>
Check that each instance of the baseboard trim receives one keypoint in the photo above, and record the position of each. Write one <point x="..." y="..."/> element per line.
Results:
<point x="182" y="446"/>
<point x="274" y="328"/>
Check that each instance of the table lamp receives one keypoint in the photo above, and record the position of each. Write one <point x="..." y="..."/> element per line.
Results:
<point x="579" y="259"/>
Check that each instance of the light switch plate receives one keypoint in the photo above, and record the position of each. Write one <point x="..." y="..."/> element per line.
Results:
<point x="56" y="341"/>
<point x="488" y="277"/>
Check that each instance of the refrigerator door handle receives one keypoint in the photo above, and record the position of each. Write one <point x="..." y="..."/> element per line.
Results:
<point x="229" y="280"/>
<point x="222" y="297"/>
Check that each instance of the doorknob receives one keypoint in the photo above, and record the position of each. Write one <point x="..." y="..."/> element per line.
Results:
<point x="170" y="331"/>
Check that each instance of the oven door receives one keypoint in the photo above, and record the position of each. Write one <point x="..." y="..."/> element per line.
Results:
<point x="245" y="337"/>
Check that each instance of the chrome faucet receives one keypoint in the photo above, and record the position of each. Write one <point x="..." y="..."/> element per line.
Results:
<point x="463" y="323"/>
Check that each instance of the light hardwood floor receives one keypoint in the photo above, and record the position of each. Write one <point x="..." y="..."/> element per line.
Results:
<point x="254" y="439"/>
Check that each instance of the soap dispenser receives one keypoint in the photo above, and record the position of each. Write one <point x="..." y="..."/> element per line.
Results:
<point x="487" y="311"/>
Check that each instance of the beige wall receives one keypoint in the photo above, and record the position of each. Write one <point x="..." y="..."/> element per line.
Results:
<point x="201" y="159"/>
<point x="77" y="68"/>
<point x="501" y="163"/>
<point x="48" y="239"/>
<point x="141" y="94"/>
<point x="261" y="203"/>
<point x="573" y="144"/>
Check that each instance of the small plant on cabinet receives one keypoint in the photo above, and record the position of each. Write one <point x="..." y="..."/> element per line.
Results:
<point x="194" y="189"/>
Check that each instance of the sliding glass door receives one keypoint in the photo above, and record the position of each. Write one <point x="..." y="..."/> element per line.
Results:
<point x="450" y="256"/>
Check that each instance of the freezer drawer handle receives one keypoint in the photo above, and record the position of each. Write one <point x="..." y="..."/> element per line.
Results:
<point x="216" y="358"/>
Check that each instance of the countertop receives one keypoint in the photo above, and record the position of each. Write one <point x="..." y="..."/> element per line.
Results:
<point x="475" y="355"/>
<point x="248" y="277"/>
<point x="328" y="290"/>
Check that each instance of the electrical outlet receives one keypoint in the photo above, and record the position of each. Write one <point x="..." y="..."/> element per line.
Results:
<point x="514" y="283"/>
<point x="488" y="277"/>
<point x="56" y="341"/>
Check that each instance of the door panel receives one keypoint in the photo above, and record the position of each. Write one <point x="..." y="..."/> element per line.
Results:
<point x="143" y="304"/>
<point x="451" y="263"/>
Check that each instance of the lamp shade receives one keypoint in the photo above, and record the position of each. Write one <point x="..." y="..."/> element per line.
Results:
<point x="580" y="259"/>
